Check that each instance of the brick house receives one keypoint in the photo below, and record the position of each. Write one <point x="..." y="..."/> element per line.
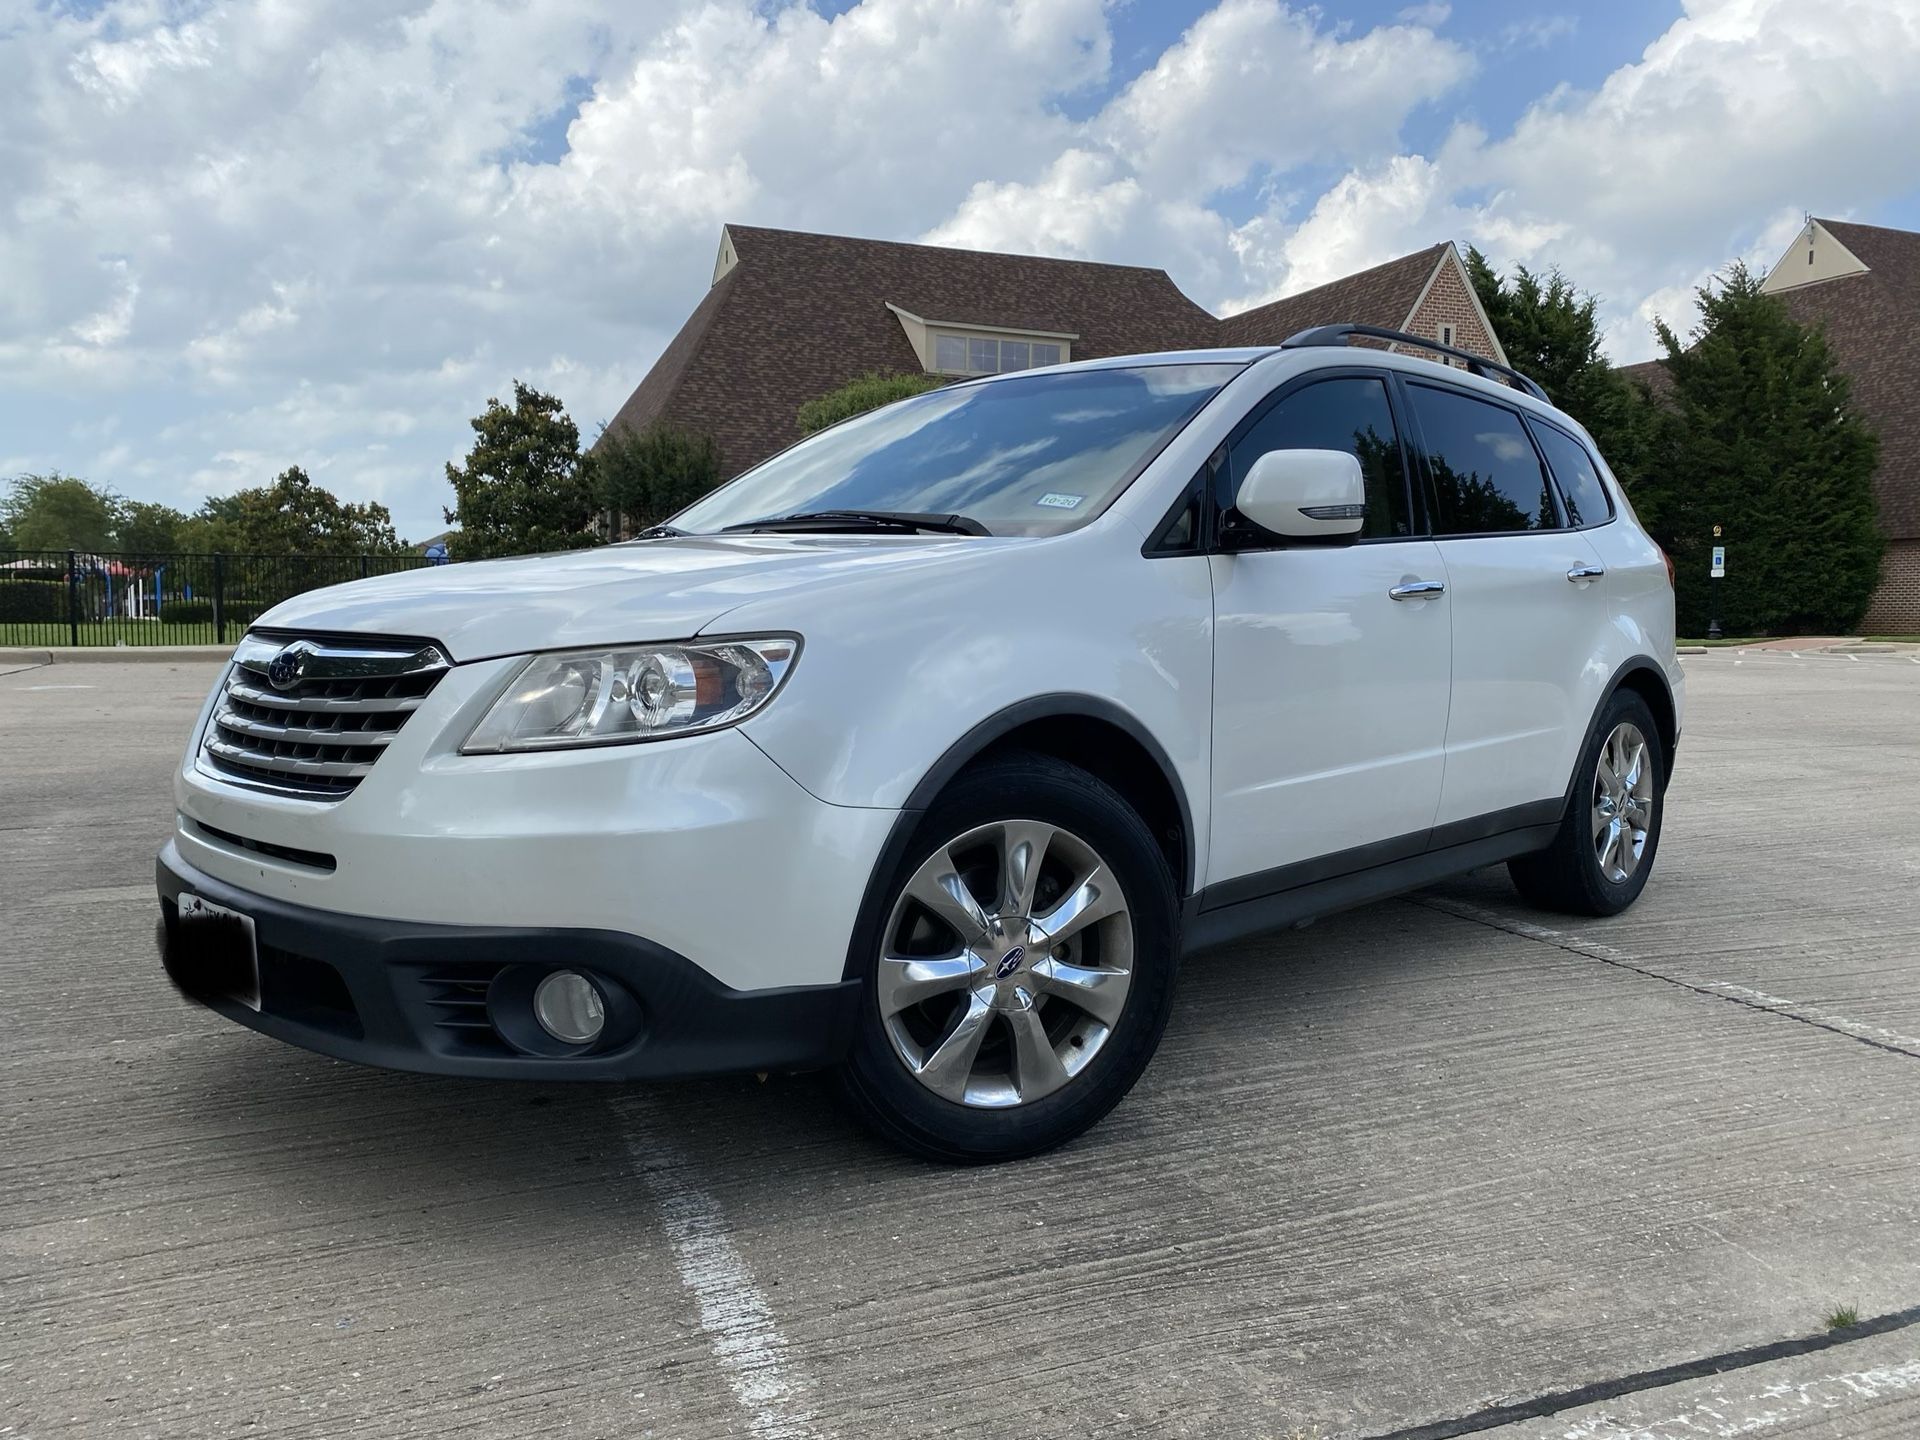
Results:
<point x="789" y="316"/>
<point x="1861" y="285"/>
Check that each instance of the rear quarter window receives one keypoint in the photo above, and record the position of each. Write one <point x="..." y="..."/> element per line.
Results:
<point x="1578" y="475"/>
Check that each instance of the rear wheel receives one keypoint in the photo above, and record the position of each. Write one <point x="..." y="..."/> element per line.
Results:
<point x="1024" y="971"/>
<point x="1599" y="862"/>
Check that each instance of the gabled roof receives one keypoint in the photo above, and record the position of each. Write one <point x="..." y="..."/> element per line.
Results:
<point x="1384" y="295"/>
<point x="1872" y="320"/>
<point x="793" y="315"/>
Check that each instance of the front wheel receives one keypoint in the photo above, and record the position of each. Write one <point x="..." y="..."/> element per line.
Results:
<point x="1024" y="970"/>
<point x="1599" y="861"/>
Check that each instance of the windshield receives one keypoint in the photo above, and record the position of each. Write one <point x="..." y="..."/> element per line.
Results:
<point x="1033" y="455"/>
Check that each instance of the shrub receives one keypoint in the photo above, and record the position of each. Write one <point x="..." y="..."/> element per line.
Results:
<point x="856" y="397"/>
<point x="29" y="601"/>
<point x="186" y="612"/>
<point x="647" y="475"/>
<point x="200" y="612"/>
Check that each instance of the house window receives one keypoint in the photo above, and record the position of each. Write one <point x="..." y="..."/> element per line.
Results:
<point x="1446" y="334"/>
<point x="955" y="354"/>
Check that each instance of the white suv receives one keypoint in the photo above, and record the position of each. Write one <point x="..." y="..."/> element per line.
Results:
<point x="925" y="749"/>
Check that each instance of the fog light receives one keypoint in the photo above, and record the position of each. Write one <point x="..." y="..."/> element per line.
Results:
<point x="569" y="1007"/>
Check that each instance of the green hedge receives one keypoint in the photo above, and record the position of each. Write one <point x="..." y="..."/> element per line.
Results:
<point x="32" y="600"/>
<point x="200" y="612"/>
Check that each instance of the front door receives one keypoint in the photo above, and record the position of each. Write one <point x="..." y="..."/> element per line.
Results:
<point x="1331" y="663"/>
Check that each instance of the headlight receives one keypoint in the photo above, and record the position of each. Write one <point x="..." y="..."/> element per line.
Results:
<point x="648" y="692"/>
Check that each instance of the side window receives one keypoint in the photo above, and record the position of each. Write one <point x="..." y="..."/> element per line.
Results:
<point x="1486" y="474"/>
<point x="1348" y="412"/>
<point x="1580" y="483"/>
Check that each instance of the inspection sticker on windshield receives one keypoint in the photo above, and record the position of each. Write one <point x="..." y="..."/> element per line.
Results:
<point x="1058" y="501"/>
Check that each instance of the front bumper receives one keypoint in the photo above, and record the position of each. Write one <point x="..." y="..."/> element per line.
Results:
<point x="432" y="997"/>
<point x="702" y="844"/>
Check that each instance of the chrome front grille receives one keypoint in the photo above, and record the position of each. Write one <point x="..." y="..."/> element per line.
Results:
<point x="309" y="717"/>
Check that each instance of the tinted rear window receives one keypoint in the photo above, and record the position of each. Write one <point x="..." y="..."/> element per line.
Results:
<point x="1487" y="477"/>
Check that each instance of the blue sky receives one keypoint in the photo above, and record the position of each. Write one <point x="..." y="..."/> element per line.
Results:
<point x="236" y="237"/>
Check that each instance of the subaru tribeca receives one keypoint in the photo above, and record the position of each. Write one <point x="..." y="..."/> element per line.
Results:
<point x="925" y="750"/>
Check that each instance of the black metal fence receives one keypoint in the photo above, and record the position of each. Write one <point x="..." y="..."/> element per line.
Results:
<point x="69" y="597"/>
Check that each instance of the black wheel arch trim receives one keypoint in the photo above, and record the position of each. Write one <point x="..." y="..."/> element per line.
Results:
<point x="969" y="747"/>
<point x="1637" y="665"/>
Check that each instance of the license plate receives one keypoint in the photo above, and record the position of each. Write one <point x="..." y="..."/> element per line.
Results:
<point x="226" y="954"/>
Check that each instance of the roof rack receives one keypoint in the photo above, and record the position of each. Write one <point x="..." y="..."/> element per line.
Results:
<point x="1339" y="335"/>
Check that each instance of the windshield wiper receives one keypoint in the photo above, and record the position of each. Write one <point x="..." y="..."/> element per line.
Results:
<point x="903" y="520"/>
<point x="659" y="532"/>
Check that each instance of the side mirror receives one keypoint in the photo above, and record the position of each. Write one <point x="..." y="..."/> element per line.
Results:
<point x="1305" y="494"/>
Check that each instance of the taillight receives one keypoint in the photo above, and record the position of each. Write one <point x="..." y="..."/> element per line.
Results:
<point x="1669" y="559"/>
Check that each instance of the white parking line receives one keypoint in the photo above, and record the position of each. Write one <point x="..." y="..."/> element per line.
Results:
<point x="734" y="1314"/>
<point x="1776" y="1406"/>
<point x="1746" y="995"/>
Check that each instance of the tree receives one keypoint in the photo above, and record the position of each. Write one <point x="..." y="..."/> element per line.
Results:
<point x="293" y="516"/>
<point x="1758" y="436"/>
<point x="648" y="475"/>
<point x="1551" y="333"/>
<point x="525" y="487"/>
<point x="146" y="528"/>
<point x="59" y="512"/>
<point x="856" y="397"/>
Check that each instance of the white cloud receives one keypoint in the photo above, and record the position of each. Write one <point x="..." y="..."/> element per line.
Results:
<point x="1742" y="111"/>
<point x="1250" y="92"/>
<point x="285" y="233"/>
<point x="1254" y="84"/>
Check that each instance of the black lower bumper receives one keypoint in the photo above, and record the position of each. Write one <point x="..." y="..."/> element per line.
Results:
<point x="452" y="999"/>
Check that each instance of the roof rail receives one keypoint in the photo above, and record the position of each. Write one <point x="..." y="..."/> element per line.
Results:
<point x="1339" y="335"/>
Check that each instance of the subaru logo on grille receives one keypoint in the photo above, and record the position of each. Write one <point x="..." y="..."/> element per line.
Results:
<point x="289" y="667"/>
<point x="1010" y="962"/>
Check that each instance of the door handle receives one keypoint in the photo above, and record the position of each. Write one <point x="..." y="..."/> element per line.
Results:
<point x="1418" y="590"/>
<point x="1586" y="572"/>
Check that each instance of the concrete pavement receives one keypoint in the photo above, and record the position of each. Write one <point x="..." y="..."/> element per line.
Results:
<point x="1387" y="1176"/>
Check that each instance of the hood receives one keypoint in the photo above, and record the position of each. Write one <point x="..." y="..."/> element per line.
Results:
<point x="668" y="589"/>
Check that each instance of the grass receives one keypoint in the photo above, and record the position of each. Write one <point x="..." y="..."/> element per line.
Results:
<point x="1892" y="639"/>
<point x="1750" y="640"/>
<point x="40" y="635"/>
<point x="1843" y="1317"/>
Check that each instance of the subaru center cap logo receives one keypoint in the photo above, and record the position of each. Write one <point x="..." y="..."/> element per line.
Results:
<point x="1010" y="962"/>
<point x="287" y="668"/>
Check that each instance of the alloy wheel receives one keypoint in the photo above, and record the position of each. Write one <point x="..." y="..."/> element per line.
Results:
<point x="1622" y="802"/>
<point x="1006" y="964"/>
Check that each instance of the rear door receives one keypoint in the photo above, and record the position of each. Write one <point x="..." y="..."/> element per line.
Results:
<point x="1528" y="609"/>
<point x="1330" y="695"/>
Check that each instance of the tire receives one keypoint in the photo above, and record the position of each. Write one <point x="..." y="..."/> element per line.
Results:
<point x="1599" y="861"/>
<point x="966" y="996"/>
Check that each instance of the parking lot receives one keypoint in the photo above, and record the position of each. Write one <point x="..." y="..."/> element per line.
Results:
<point x="1429" y="1168"/>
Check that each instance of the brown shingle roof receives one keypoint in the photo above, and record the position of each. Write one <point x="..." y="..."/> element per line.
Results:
<point x="1872" y="321"/>
<point x="1384" y="295"/>
<point x="799" y="314"/>
<point x="1654" y="373"/>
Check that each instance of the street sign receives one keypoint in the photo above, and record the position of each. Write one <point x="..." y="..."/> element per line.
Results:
<point x="1716" y="532"/>
<point x="1719" y="570"/>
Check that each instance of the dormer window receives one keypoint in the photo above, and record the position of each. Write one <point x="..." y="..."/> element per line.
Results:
<point x="958" y="353"/>
<point x="948" y="347"/>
